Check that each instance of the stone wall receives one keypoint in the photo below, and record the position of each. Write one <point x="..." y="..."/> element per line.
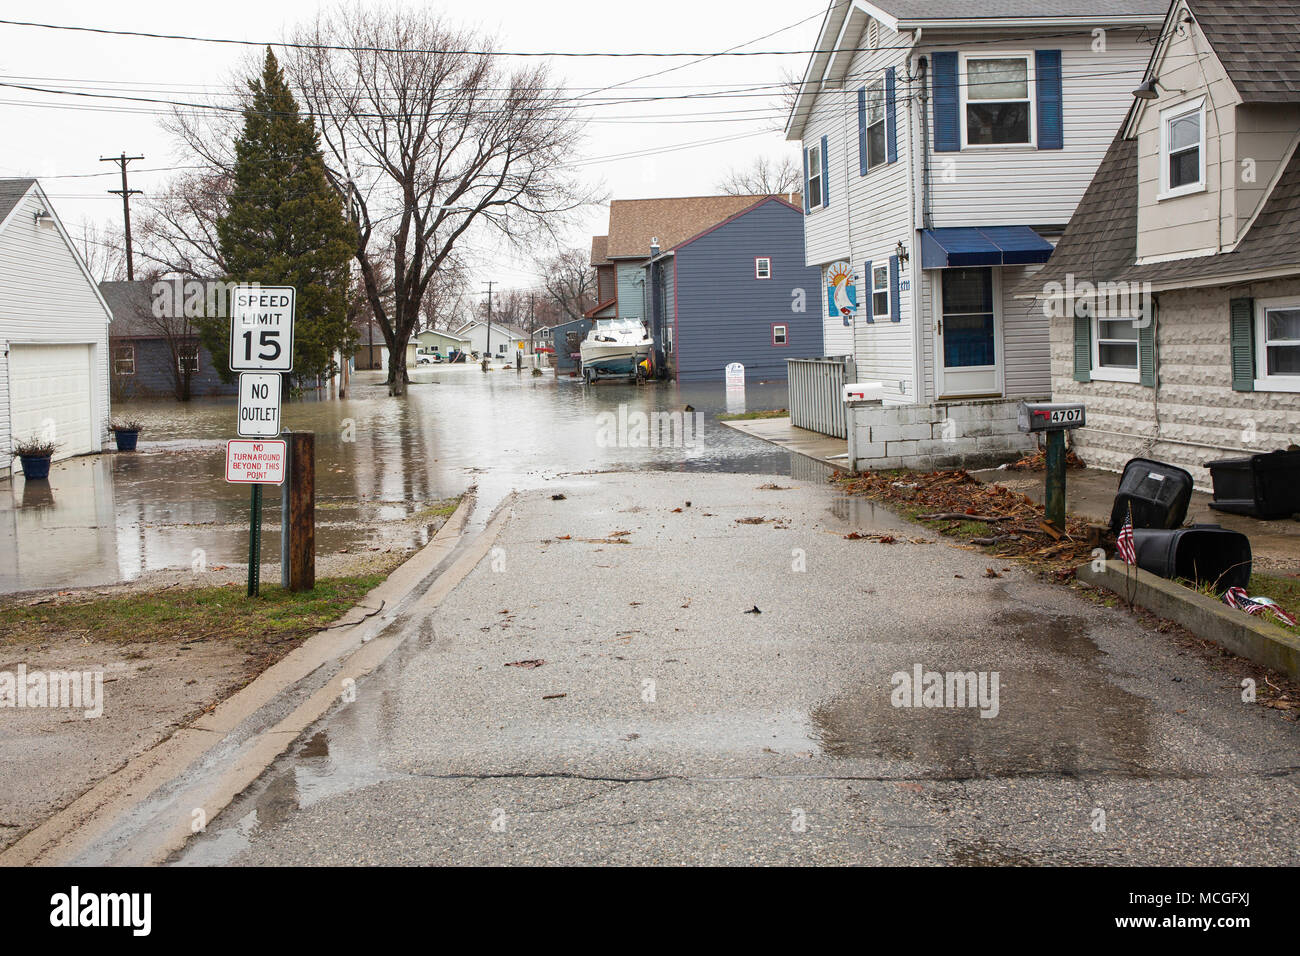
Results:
<point x="1193" y="415"/>
<point x="941" y="435"/>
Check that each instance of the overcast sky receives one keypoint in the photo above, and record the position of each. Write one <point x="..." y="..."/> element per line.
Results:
<point x="52" y="136"/>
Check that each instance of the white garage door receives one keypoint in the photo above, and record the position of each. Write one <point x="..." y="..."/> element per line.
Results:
<point x="53" y="384"/>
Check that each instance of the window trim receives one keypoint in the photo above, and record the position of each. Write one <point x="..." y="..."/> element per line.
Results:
<point x="1167" y="116"/>
<point x="1263" y="381"/>
<point x="963" y="86"/>
<point x="757" y="274"/>
<point x="1110" y="373"/>
<point x="119" y="358"/>
<point x="814" y="173"/>
<point x="888" y="314"/>
<point x="883" y="123"/>
<point x="785" y="330"/>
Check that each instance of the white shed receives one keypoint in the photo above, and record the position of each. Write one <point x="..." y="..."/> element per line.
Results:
<point x="53" y="331"/>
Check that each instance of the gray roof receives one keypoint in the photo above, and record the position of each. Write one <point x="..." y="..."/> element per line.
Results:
<point x="1258" y="43"/>
<point x="918" y="10"/>
<point x="11" y="193"/>
<point x="132" y="306"/>
<point x="1100" y="244"/>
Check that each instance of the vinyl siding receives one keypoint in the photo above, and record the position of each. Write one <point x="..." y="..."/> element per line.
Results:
<point x="632" y="300"/>
<point x="45" y="297"/>
<point x="725" y="314"/>
<point x="153" y="375"/>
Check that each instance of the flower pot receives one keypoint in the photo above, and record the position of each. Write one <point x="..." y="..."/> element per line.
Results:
<point x="125" y="439"/>
<point x="36" y="467"/>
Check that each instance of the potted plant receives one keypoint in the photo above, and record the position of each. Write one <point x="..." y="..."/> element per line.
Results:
<point x="126" y="434"/>
<point x="35" y="454"/>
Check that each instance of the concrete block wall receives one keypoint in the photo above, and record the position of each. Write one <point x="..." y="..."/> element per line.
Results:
<point x="940" y="435"/>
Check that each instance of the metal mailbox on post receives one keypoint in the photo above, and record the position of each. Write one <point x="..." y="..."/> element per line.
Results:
<point x="1054" y="420"/>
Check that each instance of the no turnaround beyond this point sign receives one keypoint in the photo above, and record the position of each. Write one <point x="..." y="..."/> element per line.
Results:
<point x="255" y="462"/>
<point x="259" y="405"/>
<point x="261" y="328"/>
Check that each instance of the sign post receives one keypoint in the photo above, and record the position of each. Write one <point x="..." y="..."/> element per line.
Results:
<point x="1055" y="420"/>
<point x="261" y="349"/>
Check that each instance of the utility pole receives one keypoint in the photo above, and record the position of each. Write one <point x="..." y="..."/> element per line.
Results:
<point x="488" y="351"/>
<point x="126" y="193"/>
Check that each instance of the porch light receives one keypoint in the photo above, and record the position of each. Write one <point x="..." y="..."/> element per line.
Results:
<point x="901" y="251"/>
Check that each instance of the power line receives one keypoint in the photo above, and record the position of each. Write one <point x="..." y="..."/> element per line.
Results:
<point x="126" y="192"/>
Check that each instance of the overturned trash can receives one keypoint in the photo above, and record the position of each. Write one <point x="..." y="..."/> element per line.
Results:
<point x="1204" y="554"/>
<point x="1261" y="486"/>
<point x="1158" y="494"/>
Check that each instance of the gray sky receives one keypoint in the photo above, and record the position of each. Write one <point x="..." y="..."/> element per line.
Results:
<point x="62" y="138"/>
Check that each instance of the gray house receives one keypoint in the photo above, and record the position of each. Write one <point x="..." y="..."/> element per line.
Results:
<point x="1174" y="294"/>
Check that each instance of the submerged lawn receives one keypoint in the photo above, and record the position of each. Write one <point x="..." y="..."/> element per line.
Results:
<point x="224" y="613"/>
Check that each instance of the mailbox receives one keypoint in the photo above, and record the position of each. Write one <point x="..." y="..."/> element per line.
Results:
<point x="1044" y="417"/>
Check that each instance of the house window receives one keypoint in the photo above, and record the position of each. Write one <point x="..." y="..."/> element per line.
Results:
<point x="998" y="97"/>
<point x="880" y="304"/>
<point x="1114" y="350"/>
<point x="1182" y="149"/>
<point x="779" y="336"/>
<point x="187" y="359"/>
<point x="814" y="177"/>
<point x="875" y="124"/>
<point x="124" y="360"/>
<point x="763" y="268"/>
<point x="668" y="340"/>
<point x="1277" y="340"/>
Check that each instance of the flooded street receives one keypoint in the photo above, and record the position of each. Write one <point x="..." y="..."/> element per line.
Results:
<point x="380" y="462"/>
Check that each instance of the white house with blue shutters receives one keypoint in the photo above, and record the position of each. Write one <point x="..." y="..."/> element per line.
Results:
<point x="946" y="144"/>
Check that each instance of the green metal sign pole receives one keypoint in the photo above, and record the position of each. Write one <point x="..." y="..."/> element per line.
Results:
<point x="255" y="544"/>
<point x="1055" y="505"/>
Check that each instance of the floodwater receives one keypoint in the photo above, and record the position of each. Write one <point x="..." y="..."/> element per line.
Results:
<point x="379" y="462"/>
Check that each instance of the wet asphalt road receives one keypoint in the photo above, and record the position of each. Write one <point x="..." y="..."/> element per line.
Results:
<point x="682" y="730"/>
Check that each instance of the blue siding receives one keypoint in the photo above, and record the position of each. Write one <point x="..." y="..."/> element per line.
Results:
<point x="559" y="339"/>
<point x="153" y="377"/>
<point x="725" y="314"/>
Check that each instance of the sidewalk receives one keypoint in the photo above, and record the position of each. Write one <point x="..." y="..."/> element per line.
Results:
<point x="829" y="451"/>
<point x="1090" y="492"/>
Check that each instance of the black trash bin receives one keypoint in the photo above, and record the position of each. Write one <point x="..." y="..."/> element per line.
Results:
<point x="1159" y="495"/>
<point x="1261" y="486"/>
<point x="1203" y="553"/>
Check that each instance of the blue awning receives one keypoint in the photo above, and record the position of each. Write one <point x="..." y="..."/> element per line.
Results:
<point x="982" y="246"/>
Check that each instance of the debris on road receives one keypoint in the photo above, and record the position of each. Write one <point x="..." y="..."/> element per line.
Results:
<point x="526" y="665"/>
<point x="559" y="498"/>
<point x="553" y="696"/>
<point x="754" y="610"/>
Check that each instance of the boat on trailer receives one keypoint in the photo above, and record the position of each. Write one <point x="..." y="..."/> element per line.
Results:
<point x="617" y="348"/>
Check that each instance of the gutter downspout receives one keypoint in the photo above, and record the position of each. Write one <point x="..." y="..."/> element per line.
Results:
<point x="919" y="319"/>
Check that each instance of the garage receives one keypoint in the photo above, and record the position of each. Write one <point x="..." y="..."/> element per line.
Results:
<point x="52" y="391"/>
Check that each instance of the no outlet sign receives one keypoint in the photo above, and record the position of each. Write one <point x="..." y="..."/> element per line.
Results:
<point x="259" y="405"/>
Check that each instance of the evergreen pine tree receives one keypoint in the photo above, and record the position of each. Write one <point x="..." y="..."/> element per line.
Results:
<point x="284" y="225"/>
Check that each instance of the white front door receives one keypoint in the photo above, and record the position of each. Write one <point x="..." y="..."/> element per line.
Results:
<point x="52" y="394"/>
<point x="968" y="333"/>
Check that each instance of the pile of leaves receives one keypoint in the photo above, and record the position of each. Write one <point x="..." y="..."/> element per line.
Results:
<point x="1005" y="522"/>
<point x="1038" y="461"/>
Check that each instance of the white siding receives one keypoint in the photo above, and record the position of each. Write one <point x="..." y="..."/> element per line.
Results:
<point x="46" y="297"/>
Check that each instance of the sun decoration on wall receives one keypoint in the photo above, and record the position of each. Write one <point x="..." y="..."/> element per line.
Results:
<point x="841" y="291"/>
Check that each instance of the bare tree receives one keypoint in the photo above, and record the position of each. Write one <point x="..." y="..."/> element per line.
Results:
<point x="764" y="177"/>
<point x="447" y="297"/>
<point x="103" y="251"/>
<point x="428" y="141"/>
<point x="570" y="282"/>
<point x="176" y="231"/>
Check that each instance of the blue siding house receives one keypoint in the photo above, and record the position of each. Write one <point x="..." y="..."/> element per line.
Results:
<point x="718" y="279"/>
<point x="144" y="361"/>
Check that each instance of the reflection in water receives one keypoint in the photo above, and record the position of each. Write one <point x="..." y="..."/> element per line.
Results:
<point x="378" y="460"/>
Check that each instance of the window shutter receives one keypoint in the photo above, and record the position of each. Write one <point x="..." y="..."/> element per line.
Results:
<point x="1241" y="339"/>
<point x="826" y="176"/>
<point x="862" y="131"/>
<point x="1082" y="348"/>
<point x="947" y="121"/>
<point x="806" y="208"/>
<point x="1147" y="354"/>
<point x="1047" y="70"/>
<point x="891" y="125"/>
<point x="895" y="312"/>
<point x="866" y="307"/>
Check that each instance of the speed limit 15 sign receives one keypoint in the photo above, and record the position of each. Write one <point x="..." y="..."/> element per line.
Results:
<point x="261" y="328"/>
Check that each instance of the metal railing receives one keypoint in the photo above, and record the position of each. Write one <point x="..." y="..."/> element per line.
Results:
<point x="817" y="393"/>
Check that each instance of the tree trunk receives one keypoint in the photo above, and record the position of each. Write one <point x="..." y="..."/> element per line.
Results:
<point x="397" y="377"/>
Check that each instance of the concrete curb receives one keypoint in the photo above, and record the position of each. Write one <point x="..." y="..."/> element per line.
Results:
<point x="144" y="811"/>
<point x="1259" y="641"/>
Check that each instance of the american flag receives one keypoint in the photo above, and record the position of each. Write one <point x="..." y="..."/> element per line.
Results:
<point x="1124" y="542"/>
<point x="1238" y="598"/>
